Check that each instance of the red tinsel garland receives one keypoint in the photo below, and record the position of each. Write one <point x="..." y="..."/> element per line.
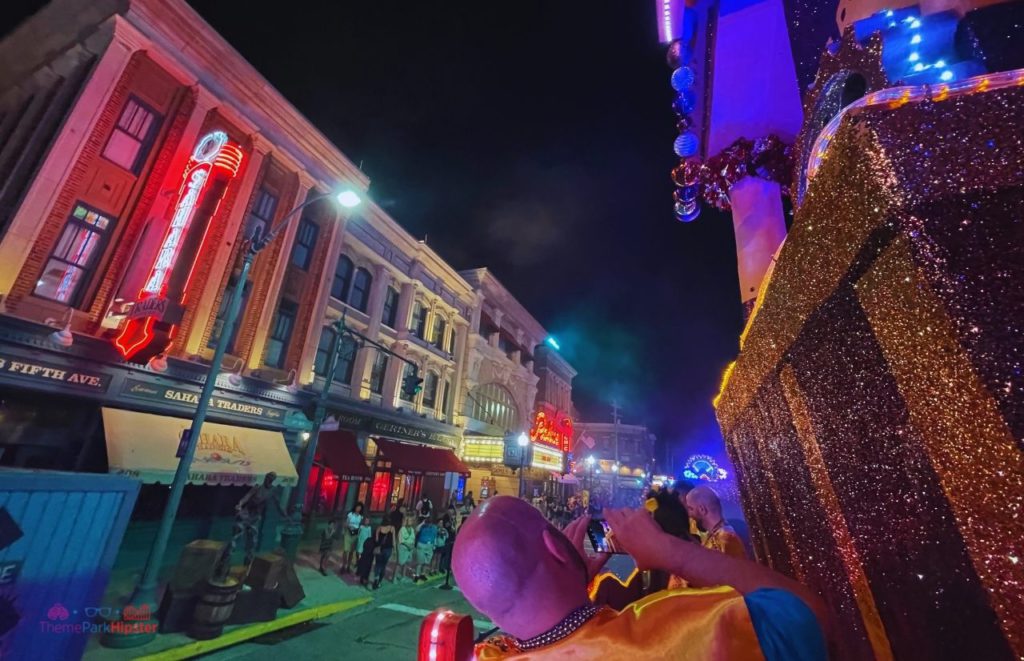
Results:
<point x="768" y="157"/>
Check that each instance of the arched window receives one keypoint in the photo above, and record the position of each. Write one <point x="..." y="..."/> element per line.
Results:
<point x="440" y="326"/>
<point x="494" y="404"/>
<point x="419" y="320"/>
<point x="361" y="290"/>
<point x="342" y="278"/>
<point x="430" y="383"/>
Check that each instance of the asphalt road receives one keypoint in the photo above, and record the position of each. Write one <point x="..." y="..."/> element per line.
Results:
<point x="385" y="629"/>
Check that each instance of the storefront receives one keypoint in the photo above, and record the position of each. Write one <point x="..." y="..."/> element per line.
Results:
<point x="338" y="469"/>
<point x="404" y="460"/>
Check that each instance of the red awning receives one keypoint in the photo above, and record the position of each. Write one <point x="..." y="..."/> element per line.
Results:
<point x="339" y="452"/>
<point x="419" y="459"/>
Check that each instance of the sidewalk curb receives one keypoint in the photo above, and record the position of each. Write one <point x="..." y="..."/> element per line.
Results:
<point x="243" y="634"/>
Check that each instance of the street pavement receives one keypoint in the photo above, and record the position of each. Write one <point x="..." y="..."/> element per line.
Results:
<point x="386" y="629"/>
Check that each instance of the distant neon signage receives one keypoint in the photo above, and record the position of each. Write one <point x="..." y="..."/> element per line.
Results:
<point x="553" y="431"/>
<point x="214" y="162"/>
<point x="703" y="467"/>
<point x="546" y="459"/>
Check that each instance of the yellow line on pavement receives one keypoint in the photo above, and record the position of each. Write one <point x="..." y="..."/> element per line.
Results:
<point x="254" y="631"/>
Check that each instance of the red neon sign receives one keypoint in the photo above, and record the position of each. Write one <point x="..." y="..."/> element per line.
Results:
<point x="555" y="431"/>
<point x="158" y="309"/>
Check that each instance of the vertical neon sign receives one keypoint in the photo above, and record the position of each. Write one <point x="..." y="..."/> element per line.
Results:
<point x="158" y="310"/>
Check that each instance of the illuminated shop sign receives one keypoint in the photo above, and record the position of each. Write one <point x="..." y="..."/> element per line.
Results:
<point x="552" y="431"/>
<point x="546" y="458"/>
<point x="158" y="310"/>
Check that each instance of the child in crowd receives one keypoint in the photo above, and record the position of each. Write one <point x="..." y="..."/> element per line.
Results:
<point x="327" y="543"/>
<point x="367" y="548"/>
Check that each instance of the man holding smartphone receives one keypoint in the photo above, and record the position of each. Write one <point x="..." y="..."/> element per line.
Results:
<point x="531" y="580"/>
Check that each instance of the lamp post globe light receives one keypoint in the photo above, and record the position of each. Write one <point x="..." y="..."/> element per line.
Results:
<point x="145" y="592"/>
<point x="523" y="441"/>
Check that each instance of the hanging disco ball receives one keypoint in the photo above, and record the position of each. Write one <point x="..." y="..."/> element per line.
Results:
<point x="683" y="79"/>
<point x="686" y="145"/>
<point x="687" y="212"/>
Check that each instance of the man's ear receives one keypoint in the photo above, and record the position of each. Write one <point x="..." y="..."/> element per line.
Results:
<point x="558" y="546"/>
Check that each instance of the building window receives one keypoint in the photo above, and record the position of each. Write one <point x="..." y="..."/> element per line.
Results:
<point x="494" y="404"/>
<point x="446" y="395"/>
<point x="430" y="383"/>
<point x="450" y="345"/>
<point x="305" y="240"/>
<point x="342" y="278"/>
<point x="346" y="356"/>
<point x="438" y="332"/>
<point x="419" y="320"/>
<point x="261" y="215"/>
<point x="379" y="371"/>
<point x="132" y="138"/>
<point x="361" y="284"/>
<point x="281" y="334"/>
<point x="75" y="256"/>
<point x="218" y="325"/>
<point x="402" y="394"/>
<point x="390" y="308"/>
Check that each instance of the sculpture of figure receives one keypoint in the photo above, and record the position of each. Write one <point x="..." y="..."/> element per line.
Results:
<point x="249" y="513"/>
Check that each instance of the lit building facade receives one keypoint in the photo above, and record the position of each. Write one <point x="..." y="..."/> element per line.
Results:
<point x="629" y="447"/>
<point x="513" y="386"/>
<point x="140" y="152"/>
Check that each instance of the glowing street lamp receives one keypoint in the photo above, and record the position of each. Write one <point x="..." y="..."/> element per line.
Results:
<point x="145" y="592"/>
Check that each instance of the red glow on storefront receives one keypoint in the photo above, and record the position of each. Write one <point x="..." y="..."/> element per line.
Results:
<point x="553" y="431"/>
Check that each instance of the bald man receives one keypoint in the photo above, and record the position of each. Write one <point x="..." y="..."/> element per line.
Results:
<point x="531" y="580"/>
<point x="705" y="509"/>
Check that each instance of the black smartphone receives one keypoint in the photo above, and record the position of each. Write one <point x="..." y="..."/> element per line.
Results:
<point x="598" y="532"/>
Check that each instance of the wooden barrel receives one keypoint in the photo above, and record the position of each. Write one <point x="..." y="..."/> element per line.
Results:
<point x="214" y="609"/>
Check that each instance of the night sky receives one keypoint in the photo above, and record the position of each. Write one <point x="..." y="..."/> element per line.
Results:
<point x="534" y="138"/>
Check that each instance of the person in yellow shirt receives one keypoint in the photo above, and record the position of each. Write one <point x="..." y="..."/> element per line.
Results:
<point x="706" y="510"/>
<point x="531" y="580"/>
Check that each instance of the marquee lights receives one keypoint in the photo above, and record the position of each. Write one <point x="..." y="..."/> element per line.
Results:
<point x="546" y="458"/>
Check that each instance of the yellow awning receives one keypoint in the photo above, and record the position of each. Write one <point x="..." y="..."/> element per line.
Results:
<point x="143" y="446"/>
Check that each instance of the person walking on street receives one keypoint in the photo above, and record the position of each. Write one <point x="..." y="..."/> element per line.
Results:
<point x="367" y="545"/>
<point x="327" y="538"/>
<point x="349" y="548"/>
<point x="385" y="539"/>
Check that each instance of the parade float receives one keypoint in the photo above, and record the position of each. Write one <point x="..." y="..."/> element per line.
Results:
<point x="875" y="413"/>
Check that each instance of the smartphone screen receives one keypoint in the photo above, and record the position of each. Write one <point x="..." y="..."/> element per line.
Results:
<point x="598" y="532"/>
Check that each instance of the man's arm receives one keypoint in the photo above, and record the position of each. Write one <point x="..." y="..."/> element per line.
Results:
<point x="636" y="532"/>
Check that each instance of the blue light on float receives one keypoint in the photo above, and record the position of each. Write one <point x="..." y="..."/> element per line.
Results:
<point x="946" y="76"/>
<point x="916" y="39"/>
<point x="940" y="63"/>
<point x="888" y="14"/>
<point x="686" y="145"/>
<point x="918" y="67"/>
<point x="914" y="57"/>
<point x="916" y="24"/>
<point x="683" y="78"/>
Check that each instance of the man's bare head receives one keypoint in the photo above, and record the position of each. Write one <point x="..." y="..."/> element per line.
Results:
<point x="704" y="506"/>
<point x="516" y="568"/>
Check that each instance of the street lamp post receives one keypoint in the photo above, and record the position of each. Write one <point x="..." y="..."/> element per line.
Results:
<point x="523" y="441"/>
<point x="145" y="592"/>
